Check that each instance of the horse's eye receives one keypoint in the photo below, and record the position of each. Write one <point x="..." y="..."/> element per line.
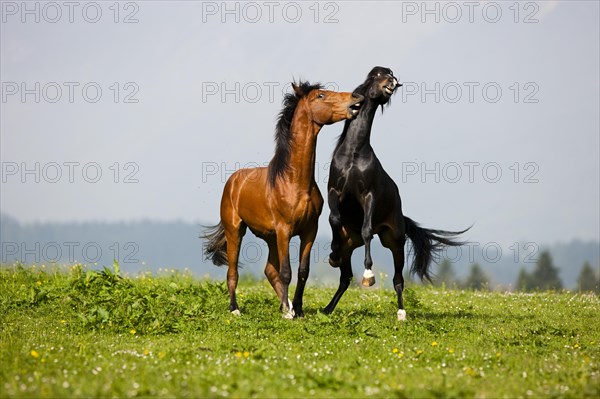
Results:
<point x="321" y="96"/>
<point x="378" y="73"/>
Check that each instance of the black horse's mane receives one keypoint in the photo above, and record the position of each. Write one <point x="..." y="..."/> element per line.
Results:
<point x="363" y="90"/>
<point x="283" y="134"/>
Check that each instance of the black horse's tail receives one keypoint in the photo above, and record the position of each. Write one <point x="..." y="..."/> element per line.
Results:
<point x="426" y="243"/>
<point x="215" y="248"/>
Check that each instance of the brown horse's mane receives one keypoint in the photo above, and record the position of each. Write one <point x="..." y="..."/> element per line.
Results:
<point x="283" y="134"/>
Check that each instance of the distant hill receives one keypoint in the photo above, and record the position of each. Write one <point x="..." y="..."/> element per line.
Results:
<point x="150" y="245"/>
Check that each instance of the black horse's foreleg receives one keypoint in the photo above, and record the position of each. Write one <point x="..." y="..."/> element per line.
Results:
<point x="335" y="221"/>
<point x="367" y="236"/>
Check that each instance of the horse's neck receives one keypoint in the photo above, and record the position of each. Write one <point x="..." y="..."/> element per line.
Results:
<point x="301" y="172"/>
<point x="358" y="135"/>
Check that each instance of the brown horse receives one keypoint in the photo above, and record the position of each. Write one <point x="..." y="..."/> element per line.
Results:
<point x="282" y="200"/>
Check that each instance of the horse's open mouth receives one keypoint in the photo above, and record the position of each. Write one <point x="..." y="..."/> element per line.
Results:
<point x="389" y="89"/>
<point x="354" y="108"/>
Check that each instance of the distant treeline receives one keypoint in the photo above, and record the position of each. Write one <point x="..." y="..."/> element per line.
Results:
<point x="150" y="245"/>
<point x="544" y="277"/>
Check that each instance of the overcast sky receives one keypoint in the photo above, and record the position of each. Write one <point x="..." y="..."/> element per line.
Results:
<point x="144" y="118"/>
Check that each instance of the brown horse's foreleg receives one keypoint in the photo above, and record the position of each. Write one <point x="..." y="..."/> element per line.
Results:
<point x="306" y="243"/>
<point x="367" y="235"/>
<point x="285" y="271"/>
<point x="272" y="270"/>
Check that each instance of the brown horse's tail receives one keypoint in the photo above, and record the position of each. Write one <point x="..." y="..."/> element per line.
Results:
<point x="215" y="248"/>
<point x="426" y="243"/>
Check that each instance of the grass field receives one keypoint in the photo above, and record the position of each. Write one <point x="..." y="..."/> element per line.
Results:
<point x="82" y="333"/>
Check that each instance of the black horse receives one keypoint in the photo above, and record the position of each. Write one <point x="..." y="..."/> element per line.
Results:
<point x="364" y="200"/>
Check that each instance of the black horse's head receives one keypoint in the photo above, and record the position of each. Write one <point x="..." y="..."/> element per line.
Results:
<point x="379" y="85"/>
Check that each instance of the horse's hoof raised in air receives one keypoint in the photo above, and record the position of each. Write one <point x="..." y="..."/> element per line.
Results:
<point x="368" y="278"/>
<point x="333" y="261"/>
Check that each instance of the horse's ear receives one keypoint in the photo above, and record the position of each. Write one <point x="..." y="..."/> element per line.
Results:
<point x="297" y="89"/>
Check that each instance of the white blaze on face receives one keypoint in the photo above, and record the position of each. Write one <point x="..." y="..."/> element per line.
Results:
<point x="368" y="274"/>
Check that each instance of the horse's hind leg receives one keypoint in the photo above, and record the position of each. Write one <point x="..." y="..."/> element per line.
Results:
<point x="367" y="235"/>
<point x="398" y="255"/>
<point x="345" y="279"/>
<point x="345" y="271"/>
<point x="396" y="245"/>
<point x="335" y="221"/>
<point x="234" y="236"/>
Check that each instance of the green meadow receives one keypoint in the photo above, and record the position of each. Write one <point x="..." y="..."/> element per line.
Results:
<point x="74" y="332"/>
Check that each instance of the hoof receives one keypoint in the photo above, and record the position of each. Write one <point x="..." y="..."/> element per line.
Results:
<point x="236" y="312"/>
<point x="288" y="315"/>
<point x="368" y="278"/>
<point x="368" y="282"/>
<point x="333" y="261"/>
<point x="401" y="315"/>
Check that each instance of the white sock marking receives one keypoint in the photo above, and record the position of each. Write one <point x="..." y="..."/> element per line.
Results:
<point x="288" y="315"/>
<point x="401" y="314"/>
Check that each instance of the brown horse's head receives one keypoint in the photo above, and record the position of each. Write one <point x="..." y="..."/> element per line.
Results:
<point x="327" y="107"/>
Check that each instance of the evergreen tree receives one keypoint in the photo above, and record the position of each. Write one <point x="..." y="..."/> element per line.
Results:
<point x="445" y="274"/>
<point x="588" y="281"/>
<point x="524" y="282"/>
<point x="477" y="279"/>
<point x="545" y="275"/>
